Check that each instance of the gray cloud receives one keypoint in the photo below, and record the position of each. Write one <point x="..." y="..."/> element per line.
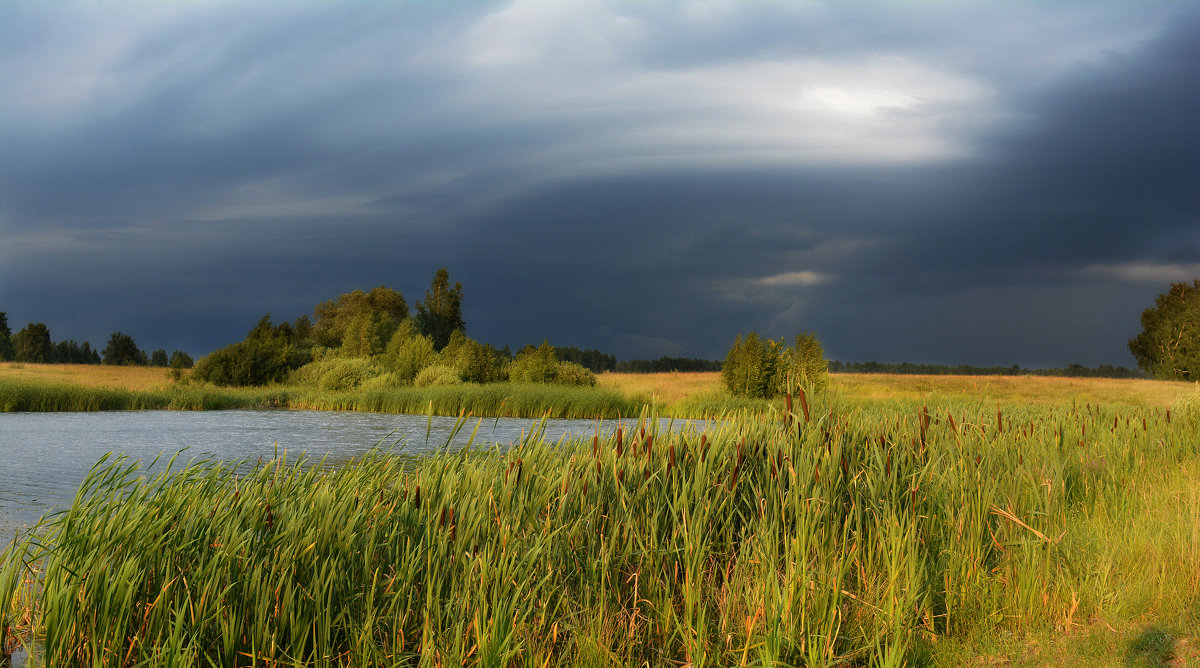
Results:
<point x="976" y="183"/>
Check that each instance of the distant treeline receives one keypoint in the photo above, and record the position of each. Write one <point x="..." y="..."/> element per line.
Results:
<point x="599" y="362"/>
<point x="33" y="344"/>
<point x="907" y="368"/>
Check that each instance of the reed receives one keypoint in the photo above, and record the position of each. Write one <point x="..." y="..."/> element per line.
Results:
<point x="843" y="539"/>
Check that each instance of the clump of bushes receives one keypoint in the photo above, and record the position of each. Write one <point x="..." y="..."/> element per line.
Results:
<point x="269" y="354"/>
<point x="763" y="368"/>
<point x="437" y="374"/>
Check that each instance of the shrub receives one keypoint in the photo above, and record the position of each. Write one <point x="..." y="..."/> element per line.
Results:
<point x="1187" y="405"/>
<point x="345" y="373"/>
<point x="408" y="352"/>
<point x="763" y="368"/>
<point x="534" y="365"/>
<point x="570" y="373"/>
<point x="438" y="374"/>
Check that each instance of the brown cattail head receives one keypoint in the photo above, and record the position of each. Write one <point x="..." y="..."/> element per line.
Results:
<point x="442" y="520"/>
<point x="887" y="471"/>
<point x="1168" y="416"/>
<point x="671" y="456"/>
<point x="788" y="404"/>
<point x="417" y="498"/>
<point x="803" y="402"/>
<point x="816" y="473"/>
<point x="520" y="465"/>
<point x="596" y="445"/>
<point x="1143" y="424"/>
<point x="1114" y="423"/>
<point x="620" y="445"/>
<point x="999" y="421"/>
<point x="620" y="476"/>
<point x="953" y="425"/>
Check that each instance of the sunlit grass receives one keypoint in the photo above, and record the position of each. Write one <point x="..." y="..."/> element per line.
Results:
<point x="139" y="378"/>
<point x="942" y="532"/>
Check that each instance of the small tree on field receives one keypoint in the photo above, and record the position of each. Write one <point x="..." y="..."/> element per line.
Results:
<point x="122" y="350"/>
<point x="33" y="344"/>
<point x="1169" y="346"/>
<point x="763" y="368"/>
<point x="159" y="358"/>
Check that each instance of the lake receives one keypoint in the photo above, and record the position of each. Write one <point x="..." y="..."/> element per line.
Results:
<point x="46" y="455"/>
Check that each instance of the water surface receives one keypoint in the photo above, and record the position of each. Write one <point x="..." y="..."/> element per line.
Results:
<point x="44" y="456"/>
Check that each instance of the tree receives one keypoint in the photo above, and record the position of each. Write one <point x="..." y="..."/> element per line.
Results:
<point x="159" y="358"/>
<point x="441" y="311"/>
<point x="180" y="360"/>
<point x="763" y="368"/>
<point x="123" y="350"/>
<point x="378" y="312"/>
<point x="6" y="345"/>
<point x="267" y="355"/>
<point x="1169" y="346"/>
<point x="32" y="344"/>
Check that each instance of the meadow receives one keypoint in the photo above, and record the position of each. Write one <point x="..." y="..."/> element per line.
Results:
<point x="954" y="529"/>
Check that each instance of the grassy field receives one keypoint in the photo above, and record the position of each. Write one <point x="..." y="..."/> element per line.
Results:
<point x="99" y="387"/>
<point x="931" y="533"/>
<point x="138" y="378"/>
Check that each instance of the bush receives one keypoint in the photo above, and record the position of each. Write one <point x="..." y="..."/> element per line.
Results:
<point x="763" y="368"/>
<point x="408" y="352"/>
<point x="534" y="365"/>
<point x="438" y="374"/>
<point x="348" y="372"/>
<point x="570" y="373"/>
<point x="268" y="355"/>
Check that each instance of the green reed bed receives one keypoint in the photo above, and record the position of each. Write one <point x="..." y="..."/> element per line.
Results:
<point x="492" y="400"/>
<point x="837" y="535"/>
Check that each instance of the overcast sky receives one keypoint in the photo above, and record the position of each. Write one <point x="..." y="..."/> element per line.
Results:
<point x="983" y="183"/>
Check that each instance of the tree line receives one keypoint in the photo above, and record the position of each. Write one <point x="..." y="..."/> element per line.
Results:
<point x="33" y="344"/>
<point x="908" y="368"/>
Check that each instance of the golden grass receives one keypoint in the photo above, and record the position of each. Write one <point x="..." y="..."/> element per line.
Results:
<point x="662" y="388"/>
<point x="665" y="389"/>
<point x="89" y="375"/>
<point x="1006" y="389"/>
<point x="671" y="388"/>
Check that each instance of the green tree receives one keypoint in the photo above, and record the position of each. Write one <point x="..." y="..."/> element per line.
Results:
<point x="159" y="358"/>
<point x="122" y="350"/>
<point x="441" y="311"/>
<point x="534" y="365"/>
<point x="268" y="354"/>
<point x="408" y="353"/>
<point x="180" y="360"/>
<point x="1169" y="346"/>
<point x="335" y="317"/>
<point x="750" y="366"/>
<point x="33" y="344"/>
<point x="6" y="345"/>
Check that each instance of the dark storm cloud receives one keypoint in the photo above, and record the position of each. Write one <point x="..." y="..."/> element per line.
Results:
<point x="968" y="183"/>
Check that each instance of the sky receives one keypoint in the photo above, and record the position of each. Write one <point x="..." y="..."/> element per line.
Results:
<point x="987" y="183"/>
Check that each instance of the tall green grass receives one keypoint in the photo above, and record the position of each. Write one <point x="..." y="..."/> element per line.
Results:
<point x="491" y="400"/>
<point x="858" y="535"/>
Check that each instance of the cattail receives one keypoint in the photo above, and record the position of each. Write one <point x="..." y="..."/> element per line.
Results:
<point x="620" y="476"/>
<point x="999" y="422"/>
<point x="671" y="456"/>
<point x="1143" y="424"/>
<point x="596" y="445"/>
<point x="816" y="473"/>
<point x="520" y="465"/>
<point x="1114" y="423"/>
<point x="845" y="465"/>
<point x="585" y="486"/>
<point x="887" y="471"/>
<point x="787" y="417"/>
<point x="1168" y="416"/>
<point x="619" y="443"/>
<point x="649" y="445"/>
<point x="597" y="468"/>
<point x="417" y="498"/>
<point x="803" y="402"/>
<point x="442" y="520"/>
